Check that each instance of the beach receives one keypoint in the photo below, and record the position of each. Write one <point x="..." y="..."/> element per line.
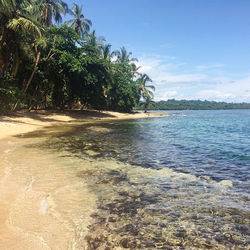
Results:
<point x="27" y="121"/>
<point x="104" y="180"/>
<point x="44" y="199"/>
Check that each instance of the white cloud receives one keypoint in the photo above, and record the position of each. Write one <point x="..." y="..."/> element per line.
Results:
<point x="172" y="81"/>
<point x="209" y="67"/>
<point x="235" y="91"/>
<point x="215" y="95"/>
<point x="160" y="71"/>
<point x="168" y="94"/>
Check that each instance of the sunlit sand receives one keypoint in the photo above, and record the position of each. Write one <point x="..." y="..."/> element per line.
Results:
<point x="44" y="201"/>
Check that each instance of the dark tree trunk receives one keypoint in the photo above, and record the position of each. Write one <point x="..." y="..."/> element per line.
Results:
<point x="33" y="72"/>
<point x="26" y="86"/>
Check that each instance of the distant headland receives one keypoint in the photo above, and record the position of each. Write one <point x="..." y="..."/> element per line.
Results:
<point x="173" y="104"/>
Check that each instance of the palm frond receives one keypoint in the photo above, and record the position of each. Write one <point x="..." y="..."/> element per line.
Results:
<point x="65" y="6"/>
<point x="134" y="59"/>
<point x="23" y="25"/>
<point x="80" y="24"/>
<point x="151" y="87"/>
<point x="151" y="94"/>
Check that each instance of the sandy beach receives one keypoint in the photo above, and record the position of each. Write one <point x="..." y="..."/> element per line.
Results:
<point x="44" y="201"/>
<point x="25" y="121"/>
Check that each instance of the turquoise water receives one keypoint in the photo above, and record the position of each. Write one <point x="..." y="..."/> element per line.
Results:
<point x="182" y="180"/>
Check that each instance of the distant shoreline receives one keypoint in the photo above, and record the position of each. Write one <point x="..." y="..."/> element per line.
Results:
<point x="194" y="109"/>
<point x="159" y="110"/>
<point x="195" y="105"/>
<point x="25" y="121"/>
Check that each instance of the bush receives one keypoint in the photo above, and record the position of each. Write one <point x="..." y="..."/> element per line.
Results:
<point x="9" y="94"/>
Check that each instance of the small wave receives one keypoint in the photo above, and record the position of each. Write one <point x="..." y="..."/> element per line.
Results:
<point x="166" y="174"/>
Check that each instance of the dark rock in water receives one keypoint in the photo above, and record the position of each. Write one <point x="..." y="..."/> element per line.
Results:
<point x="94" y="242"/>
<point x="127" y="228"/>
<point x="111" y="219"/>
<point x="123" y="193"/>
<point x="180" y="233"/>
<point x="114" y="172"/>
<point x="124" y="243"/>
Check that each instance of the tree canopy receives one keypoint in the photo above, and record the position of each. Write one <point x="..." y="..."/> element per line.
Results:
<point x="173" y="104"/>
<point x="46" y="66"/>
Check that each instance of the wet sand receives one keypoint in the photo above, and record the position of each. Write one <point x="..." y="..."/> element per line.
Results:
<point x="44" y="202"/>
<point x="24" y="121"/>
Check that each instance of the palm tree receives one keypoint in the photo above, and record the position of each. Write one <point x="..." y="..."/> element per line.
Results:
<point x="14" y="17"/>
<point x="105" y="51"/>
<point x="148" y="100"/>
<point x="17" y="29"/>
<point x="123" y="56"/>
<point x="134" y="70"/>
<point x="95" y="41"/>
<point x="94" y="44"/>
<point x="146" y="91"/>
<point x="49" y="10"/>
<point x="79" y="23"/>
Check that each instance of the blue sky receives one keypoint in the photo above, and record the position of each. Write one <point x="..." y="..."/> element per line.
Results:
<point x="192" y="49"/>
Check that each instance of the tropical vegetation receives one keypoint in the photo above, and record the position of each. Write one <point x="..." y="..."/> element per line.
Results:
<point x="146" y="91"/>
<point x="45" y="64"/>
<point x="173" y="104"/>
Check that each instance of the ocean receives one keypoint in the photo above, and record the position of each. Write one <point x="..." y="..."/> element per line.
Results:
<point x="176" y="182"/>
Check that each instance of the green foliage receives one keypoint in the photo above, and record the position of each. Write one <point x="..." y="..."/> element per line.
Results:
<point x="195" y="105"/>
<point x="146" y="91"/>
<point x="79" y="23"/>
<point x="9" y="93"/>
<point x="44" y="66"/>
<point x="123" y="92"/>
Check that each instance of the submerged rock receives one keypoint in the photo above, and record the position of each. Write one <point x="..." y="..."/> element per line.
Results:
<point x="226" y="183"/>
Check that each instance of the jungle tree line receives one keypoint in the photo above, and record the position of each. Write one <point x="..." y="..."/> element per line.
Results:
<point x="44" y="65"/>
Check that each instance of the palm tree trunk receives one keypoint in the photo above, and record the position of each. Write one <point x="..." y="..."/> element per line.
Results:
<point x="26" y="86"/>
<point x="46" y="17"/>
<point x="2" y="64"/>
<point x="17" y="102"/>
<point x="53" y="46"/>
<point x="3" y="35"/>
<point x="33" y="72"/>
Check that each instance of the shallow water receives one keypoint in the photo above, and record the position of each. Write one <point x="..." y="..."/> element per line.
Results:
<point x="43" y="204"/>
<point x="179" y="182"/>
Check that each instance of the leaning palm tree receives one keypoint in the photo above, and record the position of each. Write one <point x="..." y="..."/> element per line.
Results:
<point x="49" y="10"/>
<point x="147" y="102"/>
<point x="79" y="23"/>
<point x="145" y="90"/>
<point x="134" y="70"/>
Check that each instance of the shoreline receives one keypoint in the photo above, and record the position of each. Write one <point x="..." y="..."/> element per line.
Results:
<point x="27" y="121"/>
<point x="42" y="192"/>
